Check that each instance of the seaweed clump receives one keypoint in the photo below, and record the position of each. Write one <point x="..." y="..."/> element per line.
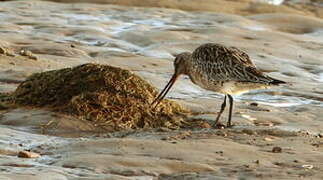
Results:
<point x="110" y="97"/>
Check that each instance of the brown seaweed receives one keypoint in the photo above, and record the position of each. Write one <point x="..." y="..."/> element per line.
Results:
<point x="110" y="97"/>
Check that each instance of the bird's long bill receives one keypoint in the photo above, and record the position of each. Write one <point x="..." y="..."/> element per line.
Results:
<point x="163" y="93"/>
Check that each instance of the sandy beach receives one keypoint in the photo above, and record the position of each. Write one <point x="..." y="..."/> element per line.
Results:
<point x="277" y="133"/>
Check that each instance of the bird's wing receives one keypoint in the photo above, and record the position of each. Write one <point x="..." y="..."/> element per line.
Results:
<point x="219" y="54"/>
<point x="243" y="73"/>
<point x="240" y="56"/>
<point x="220" y="63"/>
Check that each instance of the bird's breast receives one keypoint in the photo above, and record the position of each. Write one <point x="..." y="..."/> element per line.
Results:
<point x="205" y="82"/>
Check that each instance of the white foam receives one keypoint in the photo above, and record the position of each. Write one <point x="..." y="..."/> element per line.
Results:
<point x="256" y="28"/>
<point x="274" y="2"/>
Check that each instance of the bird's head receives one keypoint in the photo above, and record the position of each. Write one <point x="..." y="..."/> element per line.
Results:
<point x="181" y="63"/>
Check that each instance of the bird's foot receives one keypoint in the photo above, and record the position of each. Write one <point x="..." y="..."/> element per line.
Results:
<point x="219" y="126"/>
<point x="222" y="126"/>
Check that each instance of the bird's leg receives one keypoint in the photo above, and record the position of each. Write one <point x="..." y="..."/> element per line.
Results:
<point x="221" y="111"/>
<point x="230" y="110"/>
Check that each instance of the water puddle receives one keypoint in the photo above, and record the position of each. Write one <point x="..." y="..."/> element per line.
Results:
<point x="279" y="100"/>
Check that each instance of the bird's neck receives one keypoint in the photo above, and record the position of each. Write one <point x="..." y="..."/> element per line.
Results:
<point x="188" y="65"/>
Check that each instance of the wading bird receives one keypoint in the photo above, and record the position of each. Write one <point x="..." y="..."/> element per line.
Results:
<point x="226" y="70"/>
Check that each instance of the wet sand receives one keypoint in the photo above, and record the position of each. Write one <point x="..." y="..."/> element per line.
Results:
<point x="144" y="40"/>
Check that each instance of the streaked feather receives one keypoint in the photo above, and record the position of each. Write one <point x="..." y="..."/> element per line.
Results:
<point x="215" y="62"/>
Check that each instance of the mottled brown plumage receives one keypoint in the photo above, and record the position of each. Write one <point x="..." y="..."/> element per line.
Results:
<point x="222" y="69"/>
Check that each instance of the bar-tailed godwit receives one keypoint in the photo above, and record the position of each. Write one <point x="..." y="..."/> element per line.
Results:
<point x="222" y="69"/>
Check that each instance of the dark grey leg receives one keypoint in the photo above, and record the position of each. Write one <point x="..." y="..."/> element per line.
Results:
<point x="230" y="110"/>
<point x="221" y="111"/>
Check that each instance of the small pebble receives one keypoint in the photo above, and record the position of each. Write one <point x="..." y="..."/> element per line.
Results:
<point x="3" y="51"/>
<point x="276" y="149"/>
<point x="28" y="53"/>
<point x="253" y="104"/>
<point x="268" y="139"/>
<point x="307" y="166"/>
<point x="24" y="52"/>
<point x="28" y="154"/>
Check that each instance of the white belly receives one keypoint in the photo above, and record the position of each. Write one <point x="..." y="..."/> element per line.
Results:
<point x="229" y="87"/>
